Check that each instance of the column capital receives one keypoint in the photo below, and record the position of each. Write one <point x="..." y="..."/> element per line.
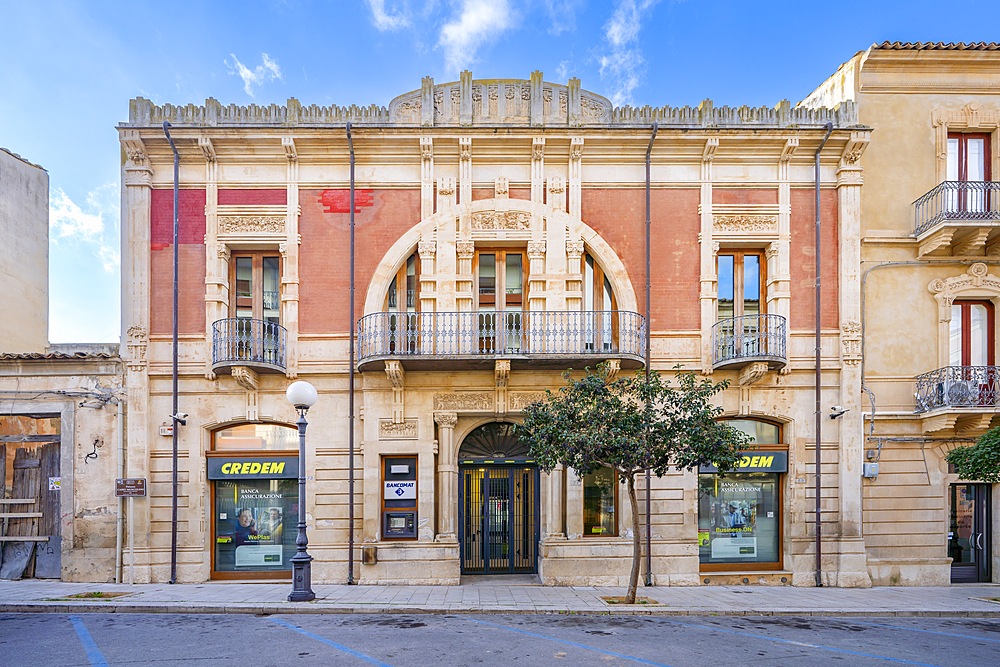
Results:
<point x="446" y="419"/>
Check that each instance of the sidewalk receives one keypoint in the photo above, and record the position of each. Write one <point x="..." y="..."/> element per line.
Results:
<point x="964" y="600"/>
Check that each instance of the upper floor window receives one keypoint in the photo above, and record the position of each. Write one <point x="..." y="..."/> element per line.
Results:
<point x="741" y="282"/>
<point x="968" y="156"/>
<point x="971" y="334"/>
<point x="403" y="296"/>
<point x="256" y="280"/>
<point x="500" y="279"/>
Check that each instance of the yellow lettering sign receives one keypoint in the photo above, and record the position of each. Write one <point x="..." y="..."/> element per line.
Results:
<point x="277" y="467"/>
<point x="226" y="467"/>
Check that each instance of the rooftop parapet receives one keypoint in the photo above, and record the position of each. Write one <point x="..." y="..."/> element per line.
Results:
<point x="489" y="103"/>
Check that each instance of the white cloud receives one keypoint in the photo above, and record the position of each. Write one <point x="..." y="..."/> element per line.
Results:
<point x="477" y="22"/>
<point x="624" y="64"/>
<point x="393" y="19"/>
<point x="71" y="223"/>
<point x="562" y="71"/>
<point x="267" y="71"/>
<point x="562" y="15"/>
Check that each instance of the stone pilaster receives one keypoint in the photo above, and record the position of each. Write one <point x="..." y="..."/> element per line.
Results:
<point x="447" y="476"/>
<point x="709" y="277"/>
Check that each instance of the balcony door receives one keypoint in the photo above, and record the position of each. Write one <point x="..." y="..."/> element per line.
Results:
<point x="255" y="307"/>
<point x="401" y="307"/>
<point x="971" y="350"/>
<point x="968" y="167"/>
<point x="600" y="326"/>
<point x="500" y="281"/>
<point x="741" y="304"/>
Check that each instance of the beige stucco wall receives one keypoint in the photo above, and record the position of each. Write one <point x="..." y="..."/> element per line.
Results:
<point x="24" y="254"/>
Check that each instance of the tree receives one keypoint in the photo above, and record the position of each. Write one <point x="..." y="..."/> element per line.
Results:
<point x="631" y="424"/>
<point x="980" y="462"/>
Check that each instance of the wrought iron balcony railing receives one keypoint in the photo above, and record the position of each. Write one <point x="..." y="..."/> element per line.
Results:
<point x="738" y="341"/>
<point x="597" y="334"/>
<point x="959" y="387"/>
<point x="957" y="200"/>
<point x="241" y="341"/>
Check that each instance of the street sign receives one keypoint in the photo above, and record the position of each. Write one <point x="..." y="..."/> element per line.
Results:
<point x="130" y="487"/>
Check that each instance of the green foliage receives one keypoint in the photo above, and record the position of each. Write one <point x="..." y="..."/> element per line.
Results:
<point x="980" y="462"/>
<point x="631" y="425"/>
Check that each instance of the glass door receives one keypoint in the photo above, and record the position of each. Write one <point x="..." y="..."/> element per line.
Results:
<point x="968" y="166"/>
<point x="969" y="532"/>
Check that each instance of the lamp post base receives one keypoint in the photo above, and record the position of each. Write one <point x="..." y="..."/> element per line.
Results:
<point x="301" y="579"/>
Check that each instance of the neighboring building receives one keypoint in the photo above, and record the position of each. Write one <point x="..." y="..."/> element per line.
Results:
<point x="500" y="230"/>
<point x="61" y="414"/>
<point x="24" y="254"/>
<point x="930" y="285"/>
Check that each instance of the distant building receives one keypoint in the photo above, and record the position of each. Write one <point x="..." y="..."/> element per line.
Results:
<point x="930" y="285"/>
<point x="62" y="411"/>
<point x="24" y="254"/>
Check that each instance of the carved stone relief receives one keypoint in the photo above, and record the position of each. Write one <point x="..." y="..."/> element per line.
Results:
<point x="519" y="400"/>
<point x="745" y="223"/>
<point x="501" y="220"/>
<point x="390" y="430"/>
<point x="252" y="224"/>
<point x="469" y="400"/>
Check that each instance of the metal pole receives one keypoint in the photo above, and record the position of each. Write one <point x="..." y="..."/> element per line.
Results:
<point x="649" y="477"/>
<point x="302" y="561"/>
<point x="350" y="390"/>
<point x="173" y="412"/>
<point x="819" y="421"/>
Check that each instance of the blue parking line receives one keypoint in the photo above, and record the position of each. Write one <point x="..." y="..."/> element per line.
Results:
<point x="641" y="661"/>
<point x="927" y="632"/>
<point x="332" y="644"/>
<point x="790" y="642"/>
<point x="94" y="654"/>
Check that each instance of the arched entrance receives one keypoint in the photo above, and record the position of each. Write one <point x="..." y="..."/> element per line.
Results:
<point x="498" y="495"/>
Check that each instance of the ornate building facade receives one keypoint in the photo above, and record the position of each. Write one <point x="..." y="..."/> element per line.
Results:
<point x="930" y="207"/>
<point x="496" y="230"/>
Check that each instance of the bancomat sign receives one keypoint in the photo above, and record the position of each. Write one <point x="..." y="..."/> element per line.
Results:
<point x="399" y="497"/>
<point x="400" y="490"/>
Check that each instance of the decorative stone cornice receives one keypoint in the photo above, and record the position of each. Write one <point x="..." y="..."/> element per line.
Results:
<point x="745" y="223"/>
<point x="288" y="143"/>
<point x="977" y="280"/>
<point x="207" y="149"/>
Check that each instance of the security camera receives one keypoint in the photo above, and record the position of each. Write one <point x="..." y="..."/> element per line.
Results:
<point x="837" y="411"/>
<point x="180" y="417"/>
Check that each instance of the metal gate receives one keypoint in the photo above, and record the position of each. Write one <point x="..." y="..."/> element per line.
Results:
<point x="498" y="519"/>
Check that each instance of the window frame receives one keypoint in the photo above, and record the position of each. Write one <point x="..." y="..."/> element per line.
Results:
<point x="616" y="511"/>
<point x="256" y="283"/>
<point x="739" y="286"/>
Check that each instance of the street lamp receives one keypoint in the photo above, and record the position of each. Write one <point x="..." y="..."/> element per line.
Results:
<point x="303" y="396"/>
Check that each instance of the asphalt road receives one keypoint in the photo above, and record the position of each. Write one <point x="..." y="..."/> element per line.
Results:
<point x="54" y="640"/>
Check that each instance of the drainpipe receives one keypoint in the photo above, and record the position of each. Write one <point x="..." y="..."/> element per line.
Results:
<point x="173" y="412"/>
<point x="350" y="390"/>
<point x="819" y="416"/>
<point x="649" y="478"/>
<point x="119" y="525"/>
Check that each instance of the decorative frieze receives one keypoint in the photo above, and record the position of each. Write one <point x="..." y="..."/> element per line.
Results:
<point x="850" y="341"/>
<point x="745" y="223"/>
<point x="251" y="224"/>
<point x="501" y="220"/>
<point x="390" y="430"/>
<point x="466" y="400"/>
<point x="519" y="400"/>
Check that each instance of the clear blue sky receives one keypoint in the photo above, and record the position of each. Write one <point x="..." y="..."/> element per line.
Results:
<point x="68" y="69"/>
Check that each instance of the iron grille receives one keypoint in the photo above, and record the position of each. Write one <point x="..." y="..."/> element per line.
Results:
<point x="749" y="337"/>
<point x="958" y="387"/>
<point x="498" y="519"/>
<point x="244" y="341"/>
<point x="957" y="200"/>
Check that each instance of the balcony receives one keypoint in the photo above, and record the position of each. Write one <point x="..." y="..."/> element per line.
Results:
<point x="740" y="341"/>
<point x="539" y="339"/>
<point x="958" y="218"/>
<point x="959" y="398"/>
<point x="256" y="344"/>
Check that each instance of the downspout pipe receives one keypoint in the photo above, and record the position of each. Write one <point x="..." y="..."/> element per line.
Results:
<point x="173" y="411"/>
<point x="119" y="524"/>
<point x="819" y="416"/>
<point x="350" y="390"/>
<point x="649" y="478"/>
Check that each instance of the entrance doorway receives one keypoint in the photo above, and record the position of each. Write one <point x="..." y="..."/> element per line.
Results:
<point x="969" y="532"/>
<point x="499" y="503"/>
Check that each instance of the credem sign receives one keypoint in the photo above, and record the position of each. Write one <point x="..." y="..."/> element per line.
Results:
<point x="756" y="461"/>
<point x="272" y="467"/>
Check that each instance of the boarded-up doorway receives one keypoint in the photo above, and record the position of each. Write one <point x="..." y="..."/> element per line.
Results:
<point x="30" y="543"/>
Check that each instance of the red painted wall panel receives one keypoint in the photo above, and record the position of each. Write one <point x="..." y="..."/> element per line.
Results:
<point x="803" y="259"/>
<point x="744" y="196"/>
<point x="262" y="197"/>
<point x="191" y="262"/>
<point x="619" y="216"/>
<point x="324" y="256"/>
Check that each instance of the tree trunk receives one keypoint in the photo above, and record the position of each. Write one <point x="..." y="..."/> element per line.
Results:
<point x="633" y="579"/>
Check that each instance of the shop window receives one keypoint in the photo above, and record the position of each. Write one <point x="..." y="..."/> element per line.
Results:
<point x="600" y="503"/>
<point x="253" y="473"/>
<point x="740" y="511"/>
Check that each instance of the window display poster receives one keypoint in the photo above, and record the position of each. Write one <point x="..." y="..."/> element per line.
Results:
<point x="737" y="518"/>
<point x="255" y="524"/>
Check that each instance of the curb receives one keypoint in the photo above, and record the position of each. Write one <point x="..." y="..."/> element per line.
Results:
<point x="293" y="609"/>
